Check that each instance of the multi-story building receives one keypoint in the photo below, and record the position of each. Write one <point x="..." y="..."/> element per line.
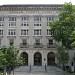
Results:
<point x="27" y="27"/>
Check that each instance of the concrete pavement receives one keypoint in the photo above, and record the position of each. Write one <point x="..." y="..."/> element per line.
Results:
<point x="50" y="70"/>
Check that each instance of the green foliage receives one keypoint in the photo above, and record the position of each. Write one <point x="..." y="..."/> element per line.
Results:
<point x="62" y="56"/>
<point x="9" y="57"/>
<point x="63" y="28"/>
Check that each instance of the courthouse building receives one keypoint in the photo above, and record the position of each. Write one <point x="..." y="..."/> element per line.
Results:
<point x="27" y="27"/>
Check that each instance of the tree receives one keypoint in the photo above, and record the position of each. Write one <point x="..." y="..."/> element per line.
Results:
<point x="62" y="56"/>
<point x="73" y="38"/>
<point x="9" y="58"/>
<point x="64" y="27"/>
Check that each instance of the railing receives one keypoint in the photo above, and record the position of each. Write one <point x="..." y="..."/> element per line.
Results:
<point x="22" y="45"/>
<point x="38" y="45"/>
<point x="51" y="45"/>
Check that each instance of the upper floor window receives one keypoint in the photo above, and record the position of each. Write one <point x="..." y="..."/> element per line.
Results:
<point x="24" y="41"/>
<point x="25" y="21"/>
<point x="12" y="21"/>
<point x="37" y="21"/>
<point x="1" y="32"/>
<point x="37" y="31"/>
<point x="11" y="41"/>
<point x="24" y="31"/>
<point x="49" y="32"/>
<point x="25" y="18"/>
<point x="37" y="18"/>
<point x="12" y="32"/>
<point x="1" y="21"/>
<point x="49" y="19"/>
<point x="12" y="18"/>
<point x="25" y="24"/>
<point x="37" y="41"/>
<point x="1" y="18"/>
<point x="50" y="41"/>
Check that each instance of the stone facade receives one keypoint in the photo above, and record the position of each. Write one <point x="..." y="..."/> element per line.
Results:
<point x="26" y="26"/>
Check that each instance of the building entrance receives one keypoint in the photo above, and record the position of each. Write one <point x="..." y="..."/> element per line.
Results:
<point x="50" y="59"/>
<point x="37" y="59"/>
<point x="25" y="58"/>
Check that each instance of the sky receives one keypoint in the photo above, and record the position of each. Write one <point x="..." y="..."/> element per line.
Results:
<point x="6" y="2"/>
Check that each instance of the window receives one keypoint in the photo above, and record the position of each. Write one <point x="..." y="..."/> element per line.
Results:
<point x="11" y="41"/>
<point x="50" y="41"/>
<point x="25" y="24"/>
<point x="49" y="32"/>
<point x="24" y="31"/>
<point x="12" y="21"/>
<point x="37" y="41"/>
<point x="37" y="24"/>
<point x="1" y="21"/>
<point x="24" y="41"/>
<point x="37" y="21"/>
<point x="1" y="32"/>
<point x="12" y="32"/>
<point x="25" y="18"/>
<point x="37" y="31"/>
<point x="37" y="18"/>
<point x="49" y="19"/>
<point x="25" y="21"/>
<point x="1" y="18"/>
<point x="12" y="18"/>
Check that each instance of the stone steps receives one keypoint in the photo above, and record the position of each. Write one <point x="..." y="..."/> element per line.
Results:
<point x="22" y="69"/>
<point x="37" y="69"/>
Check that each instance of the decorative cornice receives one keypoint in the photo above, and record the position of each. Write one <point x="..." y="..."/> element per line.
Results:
<point x="29" y="7"/>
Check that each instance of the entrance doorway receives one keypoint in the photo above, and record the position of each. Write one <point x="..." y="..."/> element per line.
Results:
<point x="25" y="58"/>
<point x="50" y="59"/>
<point x="37" y="59"/>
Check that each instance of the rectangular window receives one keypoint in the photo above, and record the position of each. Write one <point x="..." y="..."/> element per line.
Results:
<point x="11" y="41"/>
<point x="37" y="41"/>
<point x="50" y="41"/>
<point x="25" y="21"/>
<point x="24" y="41"/>
<point x="1" y="21"/>
<point x="1" y="32"/>
<point x="25" y="24"/>
<point x="1" y="18"/>
<point x="12" y="21"/>
<point x="37" y="18"/>
<point x="12" y="32"/>
<point x="49" y="19"/>
<point x="49" y="32"/>
<point x="37" y="21"/>
<point x="37" y="31"/>
<point x="25" y="18"/>
<point x="24" y="31"/>
<point x="12" y="18"/>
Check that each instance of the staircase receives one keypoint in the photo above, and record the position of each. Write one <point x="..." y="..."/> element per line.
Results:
<point x="38" y="69"/>
<point x="22" y="69"/>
